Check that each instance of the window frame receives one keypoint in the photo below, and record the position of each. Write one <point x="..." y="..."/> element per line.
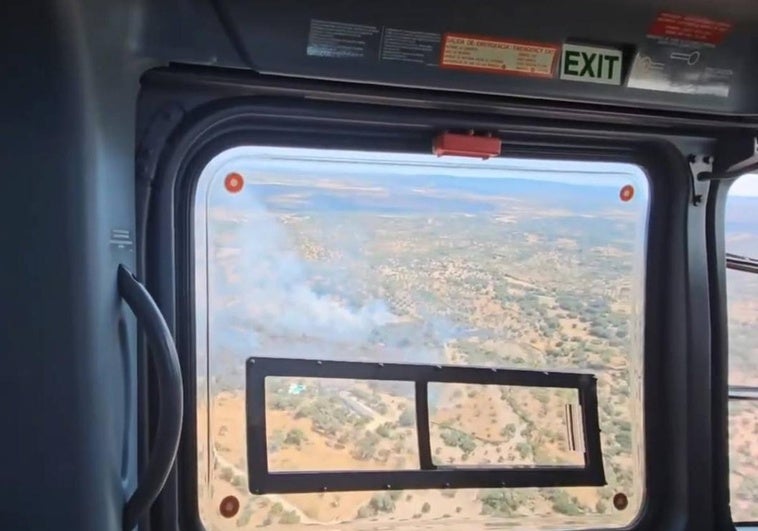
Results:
<point x="750" y="267"/>
<point x="428" y="474"/>
<point x="215" y="116"/>
<point x="723" y="393"/>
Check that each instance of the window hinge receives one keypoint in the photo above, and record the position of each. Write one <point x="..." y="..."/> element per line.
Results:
<point x="736" y="154"/>
<point x="701" y="168"/>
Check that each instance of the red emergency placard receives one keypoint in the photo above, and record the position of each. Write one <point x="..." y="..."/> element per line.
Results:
<point x="502" y="56"/>
<point x="689" y="28"/>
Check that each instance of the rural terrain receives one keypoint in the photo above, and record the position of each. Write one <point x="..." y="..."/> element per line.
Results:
<point x="497" y="273"/>
<point x="742" y="295"/>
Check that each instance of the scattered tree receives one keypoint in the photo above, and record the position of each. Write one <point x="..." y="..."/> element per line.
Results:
<point x="289" y="517"/>
<point x="276" y="509"/>
<point x="295" y="437"/>
<point x="407" y="418"/>
<point x="508" y="431"/>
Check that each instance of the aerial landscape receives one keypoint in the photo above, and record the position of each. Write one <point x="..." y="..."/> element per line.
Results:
<point x="429" y="267"/>
<point x="742" y="295"/>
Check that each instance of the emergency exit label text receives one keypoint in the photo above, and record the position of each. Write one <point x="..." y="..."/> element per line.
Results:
<point x="591" y="64"/>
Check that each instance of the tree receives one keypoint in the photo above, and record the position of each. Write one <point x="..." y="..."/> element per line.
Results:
<point x="239" y="481"/>
<point x="380" y="503"/>
<point x="455" y="438"/>
<point x="407" y="418"/>
<point x="566" y="507"/>
<point x="624" y="439"/>
<point x="384" y="430"/>
<point x="295" y="436"/>
<point x="524" y="449"/>
<point x="227" y="473"/>
<point x="289" y="517"/>
<point x="467" y="444"/>
<point x="449" y="437"/>
<point x="365" y="448"/>
<point x="599" y="331"/>
<point x="563" y="504"/>
<point x="383" y="503"/>
<point x="500" y="501"/>
<point x="244" y="518"/>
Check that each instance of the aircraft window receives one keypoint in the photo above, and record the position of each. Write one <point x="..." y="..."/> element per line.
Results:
<point x="742" y="297"/>
<point x="410" y="258"/>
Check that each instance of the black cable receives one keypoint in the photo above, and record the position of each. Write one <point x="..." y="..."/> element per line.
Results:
<point x="171" y="399"/>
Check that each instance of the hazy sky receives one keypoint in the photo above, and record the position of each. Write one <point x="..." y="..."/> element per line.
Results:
<point x="745" y="185"/>
<point x="324" y="164"/>
<point x="281" y="162"/>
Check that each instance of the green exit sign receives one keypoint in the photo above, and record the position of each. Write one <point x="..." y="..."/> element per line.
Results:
<point x="591" y="64"/>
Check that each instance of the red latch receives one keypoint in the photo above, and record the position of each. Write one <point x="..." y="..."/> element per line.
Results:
<point x="471" y="145"/>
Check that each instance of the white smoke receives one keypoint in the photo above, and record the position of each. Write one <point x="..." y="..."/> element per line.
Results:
<point x="275" y="285"/>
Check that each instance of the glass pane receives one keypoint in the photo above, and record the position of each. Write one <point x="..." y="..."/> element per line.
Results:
<point x="742" y="306"/>
<point x="496" y="425"/>
<point x="323" y="254"/>
<point x="339" y="424"/>
<point x="742" y="287"/>
<point x="743" y="457"/>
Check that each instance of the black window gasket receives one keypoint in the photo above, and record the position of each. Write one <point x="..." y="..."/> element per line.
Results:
<point x="187" y="116"/>
<point x="428" y="475"/>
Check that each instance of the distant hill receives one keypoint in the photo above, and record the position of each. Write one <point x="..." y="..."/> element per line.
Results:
<point x="425" y="194"/>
